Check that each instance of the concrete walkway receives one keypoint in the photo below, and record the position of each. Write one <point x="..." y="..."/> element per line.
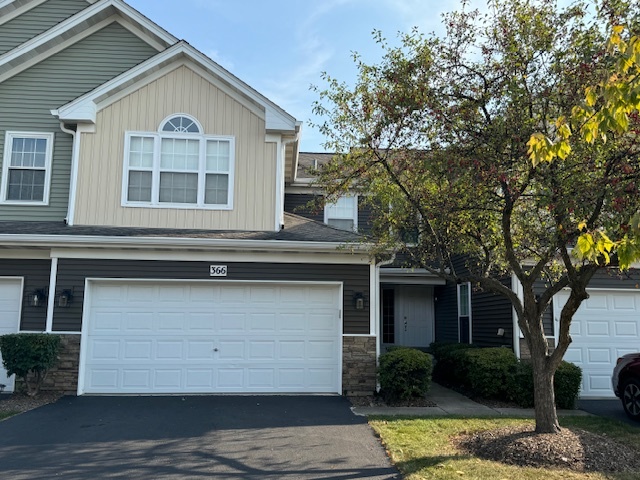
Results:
<point x="453" y="403"/>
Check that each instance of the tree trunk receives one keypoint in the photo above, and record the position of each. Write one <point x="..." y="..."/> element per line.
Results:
<point x="544" y="396"/>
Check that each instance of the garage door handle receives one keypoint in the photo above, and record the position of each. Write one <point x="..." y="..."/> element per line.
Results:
<point x="215" y="349"/>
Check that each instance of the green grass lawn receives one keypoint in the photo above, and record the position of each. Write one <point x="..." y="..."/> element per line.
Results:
<point x="4" y="415"/>
<point x="421" y="449"/>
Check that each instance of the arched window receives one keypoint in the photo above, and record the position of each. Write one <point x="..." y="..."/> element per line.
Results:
<point x="178" y="166"/>
<point x="181" y="124"/>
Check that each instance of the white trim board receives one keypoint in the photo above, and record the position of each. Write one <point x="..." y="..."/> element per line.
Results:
<point x="334" y="258"/>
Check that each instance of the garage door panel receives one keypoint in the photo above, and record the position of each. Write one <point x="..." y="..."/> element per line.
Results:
<point x="199" y="379"/>
<point x="625" y="302"/>
<point x="106" y="350"/>
<point x="595" y="302"/>
<point x="598" y="328"/>
<point x="199" y="349"/>
<point x="605" y="327"/>
<point x="263" y="345"/>
<point x="232" y="323"/>
<point x="626" y="329"/>
<point x="232" y="350"/>
<point x="292" y="350"/>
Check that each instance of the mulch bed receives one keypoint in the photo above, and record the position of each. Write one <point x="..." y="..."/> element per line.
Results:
<point x="572" y="448"/>
<point x="19" y="403"/>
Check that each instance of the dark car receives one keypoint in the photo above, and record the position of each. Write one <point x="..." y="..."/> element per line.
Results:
<point x="626" y="383"/>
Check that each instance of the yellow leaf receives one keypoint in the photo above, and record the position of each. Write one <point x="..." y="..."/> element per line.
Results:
<point x="590" y="96"/>
<point x="582" y="225"/>
<point x="618" y="29"/>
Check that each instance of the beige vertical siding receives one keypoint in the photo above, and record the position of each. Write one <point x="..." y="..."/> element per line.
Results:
<point x="100" y="171"/>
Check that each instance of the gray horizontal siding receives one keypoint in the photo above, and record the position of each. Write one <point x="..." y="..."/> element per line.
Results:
<point x="36" y="276"/>
<point x="489" y="312"/>
<point x="73" y="272"/>
<point x="297" y="203"/>
<point x="613" y="278"/>
<point x="27" y="98"/>
<point x="36" y="21"/>
<point x="365" y="217"/>
<point x="446" y="306"/>
<point x="446" y="313"/>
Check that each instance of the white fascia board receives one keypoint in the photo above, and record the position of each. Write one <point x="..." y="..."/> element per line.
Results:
<point x="171" y="242"/>
<point x="82" y="106"/>
<point x="79" y="19"/>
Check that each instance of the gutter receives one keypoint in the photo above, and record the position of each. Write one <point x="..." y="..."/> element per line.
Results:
<point x="22" y="240"/>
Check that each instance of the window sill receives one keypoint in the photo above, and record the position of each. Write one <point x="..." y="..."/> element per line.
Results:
<point x="24" y="203"/>
<point x="178" y="206"/>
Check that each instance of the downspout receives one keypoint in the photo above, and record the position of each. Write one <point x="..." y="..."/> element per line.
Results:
<point x="280" y="173"/>
<point x="73" y="179"/>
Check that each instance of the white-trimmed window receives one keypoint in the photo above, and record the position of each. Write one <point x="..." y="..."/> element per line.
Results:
<point x="342" y="214"/>
<point x="178" y="167"/>
<point x="26" y="168"/>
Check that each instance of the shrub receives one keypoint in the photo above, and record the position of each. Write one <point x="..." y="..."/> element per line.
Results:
<point x="566" y="384"/>
<point x="404" y="373"/>
<point x="29" y="356"/>
<point x="450" y="362"/>
<point x="488" y="370"/>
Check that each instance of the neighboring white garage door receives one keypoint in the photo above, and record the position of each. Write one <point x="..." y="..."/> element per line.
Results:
<point x="152" y="338"/>
<point x="10" y="301"/>
<point x="606" y="326"/>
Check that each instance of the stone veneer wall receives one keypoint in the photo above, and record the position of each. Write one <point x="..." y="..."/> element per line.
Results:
<point x="64" y="377"/>
<point x="359" y="366"/>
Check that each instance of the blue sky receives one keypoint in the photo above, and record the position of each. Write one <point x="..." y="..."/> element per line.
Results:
<point x="280" y="47"/>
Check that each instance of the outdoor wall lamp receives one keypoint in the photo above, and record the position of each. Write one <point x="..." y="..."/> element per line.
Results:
<point x="65" y="298"/>
<point x="38" y="298"/>
<point x="358" y="300"/>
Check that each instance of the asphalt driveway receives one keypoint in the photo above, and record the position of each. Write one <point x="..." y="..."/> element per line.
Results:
<point x="218" y="437"/>
<point x="609" y="408"/>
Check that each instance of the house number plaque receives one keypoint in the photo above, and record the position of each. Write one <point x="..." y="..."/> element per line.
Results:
<point x="217" y="270"/>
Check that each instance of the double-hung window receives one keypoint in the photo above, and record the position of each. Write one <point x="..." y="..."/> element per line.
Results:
<point x="26" y="168"/>
<point x="343" y="213"/>
<point x="179" y="167"/>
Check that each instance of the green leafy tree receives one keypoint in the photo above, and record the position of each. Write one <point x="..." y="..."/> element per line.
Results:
<point x="463" y="146"/>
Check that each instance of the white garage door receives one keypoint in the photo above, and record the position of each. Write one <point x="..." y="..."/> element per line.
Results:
<point x="606" y="326"/>
<point x="10" y="301"/>
<point x="152" y="338"/>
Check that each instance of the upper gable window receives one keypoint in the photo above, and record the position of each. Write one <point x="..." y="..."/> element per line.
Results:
<point x="342" y="214"/>
<point x="178" y="167"/>
<point x="26" y="168"/>
<point x="181" y="124"/>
